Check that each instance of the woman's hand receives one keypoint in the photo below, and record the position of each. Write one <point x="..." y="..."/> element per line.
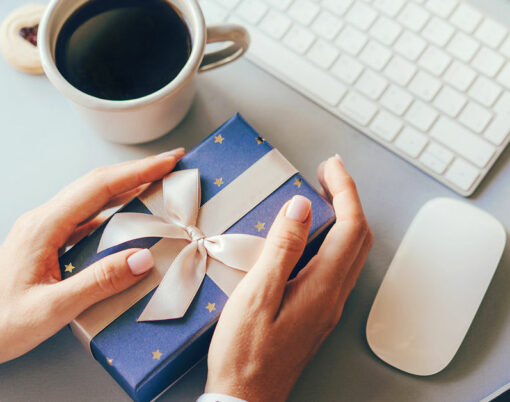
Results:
<point x="35" y="303"/>
<point x="270" y="327"/>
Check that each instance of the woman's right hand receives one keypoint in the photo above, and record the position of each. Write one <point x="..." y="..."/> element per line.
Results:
<point x="270" y="328"/>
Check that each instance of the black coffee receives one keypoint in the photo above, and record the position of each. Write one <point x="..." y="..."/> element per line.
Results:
<point x="122" y="49"/>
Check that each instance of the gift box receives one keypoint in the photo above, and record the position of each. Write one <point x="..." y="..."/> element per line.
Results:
<point x="205" y="224"/>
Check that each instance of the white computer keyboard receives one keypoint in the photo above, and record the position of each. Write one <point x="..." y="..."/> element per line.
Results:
<point x="429" y="80"/>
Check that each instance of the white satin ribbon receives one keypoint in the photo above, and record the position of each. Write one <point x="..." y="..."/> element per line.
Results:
<point x="178" y="220"/>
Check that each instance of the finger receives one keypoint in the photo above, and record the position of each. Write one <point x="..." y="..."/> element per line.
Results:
<point x="87" y="228"/>
<point x="345" y="239"/>
<point x="353" y="275"/>
<point x="284" y="246"/>
<point x="125" y="197"/>
<point x="341" y="188"/>
<point x="104" y="278"/>
<point x="87" y="195"/>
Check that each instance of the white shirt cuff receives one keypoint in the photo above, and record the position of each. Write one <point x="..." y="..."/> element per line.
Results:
<point x="218" y="398"/>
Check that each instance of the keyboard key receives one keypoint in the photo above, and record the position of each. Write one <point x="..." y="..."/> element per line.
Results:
<point x="442" y="8"/>
<point x="327" y="25"/>
<point x="434" y="60"/>
<point x="440" y="153"/>
<point x="466" y="18"/>
<point x="281" y="5"/>
<point x="351" y="40"/>
<point x="425" y="86"/>
<point x="347" y="69"/>
<point x="361" y="15"/>
<point x="505" y="47"/>
<point x="462" y="141"/>
<point x="488" y="62"/>
<point x="411" y="142"/>
<point x="498" y="130"/>
<point x="213" y="13"/>
<point x="436" y="158"/>
<point x="303" y="11"/>
<point x="462" y="174"/>
<point x="358" y="108"/>
<point x="386" y="126"/>
<point x="463" y="47"/>
<point x="410" y="45"/>
<point x="413" y="17"/>
<point x="252" y="11"/>
<point x="389" y="7"/>
<point x="475" y="117"/>
<point x="323" y="54"/>
<point x="459" y="76"/>
<point x="503" y="104"/>
<point x="299" y="39"/>
<point x="504" y="76"/>
<point x="485" y="91"/>
<point x="400" y="70"/>
<point x="421" y="116"/>
<point x="229" y="4"/>
<point x="371" y="84"/>
<point x="450" y="101"/>
<point x="291" y="65"/>
<point x="438" y="32"/>
<point x="491" y="33"/>
<point x="375" y="55"/>
<point x="275" y="24"/>
<point x="396" y="100"/>
<point x="338" y="7"/>
<point x="385" y="30"/>
<point x="432" y="163"/>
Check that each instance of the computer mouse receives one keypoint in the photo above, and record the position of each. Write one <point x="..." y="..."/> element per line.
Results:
<point x="434" y="286"/>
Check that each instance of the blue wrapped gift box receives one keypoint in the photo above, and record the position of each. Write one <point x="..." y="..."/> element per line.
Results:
<point x="145" y="358"/>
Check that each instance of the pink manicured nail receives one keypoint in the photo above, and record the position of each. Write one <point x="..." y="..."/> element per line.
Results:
<point x="141" y="261"/>
<point x="299" y="208"/>
<point x="173" y="152"/>
<point x="339" y="158"/>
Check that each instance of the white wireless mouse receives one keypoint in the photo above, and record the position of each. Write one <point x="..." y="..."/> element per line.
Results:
<point x="434" y="286"/>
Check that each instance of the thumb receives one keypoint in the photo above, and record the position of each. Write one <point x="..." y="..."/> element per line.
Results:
<point x="104" y="278"/>
<point x="283" y="248"/>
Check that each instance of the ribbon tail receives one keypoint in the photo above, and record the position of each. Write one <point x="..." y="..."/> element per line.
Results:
<point x="179" y="285"/>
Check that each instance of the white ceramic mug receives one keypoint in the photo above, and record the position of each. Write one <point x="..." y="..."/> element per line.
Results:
<point x="149" y="117"/>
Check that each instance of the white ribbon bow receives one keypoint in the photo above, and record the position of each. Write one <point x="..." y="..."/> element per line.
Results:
<point x="181" y="194"/>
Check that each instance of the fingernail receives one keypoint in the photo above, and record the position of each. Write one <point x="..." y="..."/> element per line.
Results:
<point x="339" y="158"/>
<point x="298" y="209"/>
<point x="141" y="261"/>
<point x="172" y="153"/>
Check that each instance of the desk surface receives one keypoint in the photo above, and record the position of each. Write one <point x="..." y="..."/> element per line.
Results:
<point x="45" y="146"/>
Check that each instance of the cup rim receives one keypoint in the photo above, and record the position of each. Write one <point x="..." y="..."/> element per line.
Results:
<point x="195" y="18"/>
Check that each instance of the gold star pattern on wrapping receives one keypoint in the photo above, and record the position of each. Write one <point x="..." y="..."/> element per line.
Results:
<point x="218" y="139"/>
<point x="298" y="182"/>
<point x="260" y="226"/>
<point x="109" y="361"/>
<point x="259" y="140"/>
<point x="211" y="307"/>
<point x="69" y="268"/>
<point x="218" y="181"/>
<point x="156" y="355"/>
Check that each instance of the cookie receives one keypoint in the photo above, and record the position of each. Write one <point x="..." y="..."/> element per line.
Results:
<point x="18" y="38"/>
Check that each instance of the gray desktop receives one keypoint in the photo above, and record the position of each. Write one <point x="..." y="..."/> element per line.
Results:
<point x="46" y="145"/>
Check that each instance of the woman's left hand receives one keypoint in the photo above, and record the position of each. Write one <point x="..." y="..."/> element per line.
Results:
<point x="35" y="302"/>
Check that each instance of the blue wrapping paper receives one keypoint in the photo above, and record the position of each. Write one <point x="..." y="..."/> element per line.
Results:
<point x="146" y="357"/>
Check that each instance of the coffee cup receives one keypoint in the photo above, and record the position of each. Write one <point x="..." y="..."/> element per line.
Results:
<point x="151" y="116"/>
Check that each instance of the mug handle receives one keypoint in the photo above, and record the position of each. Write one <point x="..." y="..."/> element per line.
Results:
<point x="225" y="33"/>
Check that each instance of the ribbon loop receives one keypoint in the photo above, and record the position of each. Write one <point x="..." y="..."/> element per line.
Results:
<point x="177" y="289"/>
